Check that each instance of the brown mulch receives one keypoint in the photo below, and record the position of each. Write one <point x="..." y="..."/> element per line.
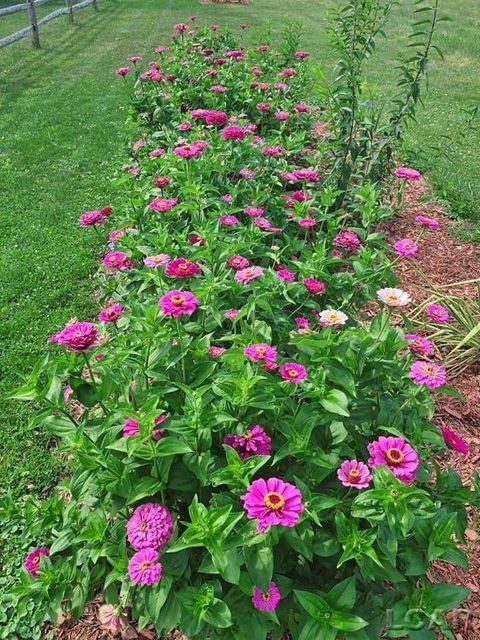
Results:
<point x="443" y="260"/>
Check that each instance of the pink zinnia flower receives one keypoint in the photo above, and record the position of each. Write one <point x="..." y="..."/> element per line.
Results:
<point x="308" y="174"/>
<point x="263" y="106"/>
<point x="282" y="115"/>
<point x="312" y="285"/>
<point x="111" y="619"/>
<point x="218" y="118"/>
<point x="286" y="275"/>
<point x="218" y="88"/>
<point x="156" y="153"/>
<point x="184" y="126"/>
<point x="405" y="173"/>
<point x="116" y="234"/>
<point x="150" y="526"/>
<point x="162" y="205"/>
<point x="110" y="313"/>
<point x="293" y="372"/>
<point x="238" y="262"/>
<point x="428" y="373"/>
<point x="273" y="152"/>
<point x="281" y="86"/>
<point x="216" y="352"/>
<point x="261" y="352"/>
<point x="181" y="28"/>
<point x="352" y="473"/>
<point x="228" y="198"/>
<point x="301" y="55"/>
<point x="247" y="174"/>
<point x="195" y="239"/>
<point x="89" y="218"/>
<point x="231" y="314"/>
<point x="454" y="441"/>
<point x="161" y="182"/>
<point x="188" y="151"/>
<point x="307" y="222"/>
<point x="263" y="48"/>
<point x="302" y="323"/>
<point x="301" y="107"/>
<point x="178" y="303"/>
<point x="122" y="71"/>
<point x="157" y="260"/>
<point x="406" y="248"/>
<point x="396" y="454"/>
<point x="233" y="132"/>
<point x="117" y="260"/>
<point x="144" y="567"/>
<point x="254" y="442"/>
<point x="437" y="313"/>
<point x="419" y="344"/>
<point x="288" y="73"/>
<point x="347" y="240"/>
<point x="77" y="336"/>
<point x="266" y="600"/>
<point x="181" y="268"/>
<point x="272" y="502"/>
<point x="254" y="211"/>
<point x="247" y="275"/>
<point x="134" y="59"/>
<point x="32" y="561"/>
<point x="228" y="221"/>
<point x="430" y="223"/>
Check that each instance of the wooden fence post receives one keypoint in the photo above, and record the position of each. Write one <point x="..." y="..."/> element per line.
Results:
<point x="70" y="11"/>
<point x="32" y="14"/>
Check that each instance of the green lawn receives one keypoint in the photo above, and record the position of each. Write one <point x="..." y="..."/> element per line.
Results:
<point x="61" y="134"/>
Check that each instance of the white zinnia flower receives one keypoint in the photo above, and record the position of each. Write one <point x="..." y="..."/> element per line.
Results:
<point x="332" y="318"/>
<point x="394" y="297"/>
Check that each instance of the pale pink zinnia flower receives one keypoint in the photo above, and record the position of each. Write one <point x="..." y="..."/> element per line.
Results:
<point x="266" y="600"/>
<point x="272" y="502"/>
<point x="32" y="561"/>
<point x="406" y="247"/>
<point x="437" y="313"/>
<point x="396" y="454"/>
<point x="247" y="275"/>
<point x="110" y="618"/>
<point x="150" y="526"/>
<point x="178" y="303"/>
<point x="454" y="441"/>
<point x="156" y="261"/>
<point x="253" y="442"/>
<point x="231" y="314"/>
<point x="144" y="568"/>
<point x="428" y="373"/>
<point x="394" y="297"/>
<point x="353" y="473"/>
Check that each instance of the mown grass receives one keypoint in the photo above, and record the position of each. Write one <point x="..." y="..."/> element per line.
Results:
<point x="61" y="129"/>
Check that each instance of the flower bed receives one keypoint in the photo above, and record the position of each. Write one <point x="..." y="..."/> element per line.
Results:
<point x="253" y="451"/>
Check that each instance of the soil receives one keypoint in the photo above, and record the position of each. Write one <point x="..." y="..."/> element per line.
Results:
<point x="443" y="260"/>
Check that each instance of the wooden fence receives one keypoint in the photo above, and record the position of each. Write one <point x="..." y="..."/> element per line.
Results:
<point x="33" y="28"/>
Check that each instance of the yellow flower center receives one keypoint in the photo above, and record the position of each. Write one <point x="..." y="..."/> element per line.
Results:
<point x="292" y="373"/>
<point x="260" y="351"/>
<point x="428" y="370"/>
<point x="248" y="435"/>
<point x="394" y="456"/>
<point x="273" y="501"/>
<point x="177" y="300"/>
<point x="353" y="475"/>
<point x="145" y="564"/>
<point x="266" y="596"/>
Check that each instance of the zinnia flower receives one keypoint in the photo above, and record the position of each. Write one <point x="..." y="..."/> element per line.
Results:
<point x="110" y="618"/>
<point x="396" y="454"/>
<point x="437" y="313"/>
<point x="254" y="211"/>
<point x="428" y="373"/>
<point x="292" y="372"/>
<point x="238" y="262"/>
<point x="260" y="351"/>
<point x="430" y="223"/>
<point x="312" y="285"/>
<point x="178" y="303"/>
<point x="144" y="568"/>
<point x="231" y="314"/>
<point x="347" y="240"/>
<point x="122" y="71"/>
<point x="162" y="205"/>
<point x="117" y="261"/>
<point x="233" y="132"/>
<point x="454" y="441"/>
<point x="150" y="526"/>
<point x="394" y="297"/>
<point x="228" y="221"/>
<point x="405" y="173"/>
<point x="77" y="336"/>
<point x="216" y="352"/>
<point x="332" y="318"/>
<point x="352" y="473"/>
<point x="272" y="502"/>
<point x="285" y="274"/>
<point x="110" y="313"/>
<point x="247" y="275"/>
<point x="266" y="600"/>
<point x="419" y="344"/>
<point x="32" y="561"/>
<point x="89" y="218"/>
<point x="181" y="268"/>
<point x="156" y="261"/>
<point x="254" y="442"/>
<point x="406" y="248"/>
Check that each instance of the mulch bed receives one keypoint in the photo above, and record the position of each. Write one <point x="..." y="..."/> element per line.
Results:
<point x="443" y="260"/>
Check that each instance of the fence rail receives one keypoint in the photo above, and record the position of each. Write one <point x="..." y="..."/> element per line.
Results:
<point x="33" y="28"/>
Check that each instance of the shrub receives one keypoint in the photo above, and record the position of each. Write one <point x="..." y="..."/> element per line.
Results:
<point x="253" y="452"/>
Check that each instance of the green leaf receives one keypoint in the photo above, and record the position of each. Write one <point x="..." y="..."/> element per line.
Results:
<point x="218" y="615"/>
<point x="259" y="562"/>
<point x="335" y="401"/>
<point x="346" y="621"/>
<point x="169" y="446"/>
<point x="343" y="595"/>
<point x="316" y="607"/>
<point x="146" y="486"/>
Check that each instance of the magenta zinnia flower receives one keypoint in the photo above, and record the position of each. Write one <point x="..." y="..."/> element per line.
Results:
<point x="347" y="240"/>
<point x="273" y="502"/>
<point x="396" y="454"/>
<point x="32" y="561"/>
<point x="254" y="442"/>
<point x="405" y="173"/>
<point x="258" y="352"/>
<point x="312" y="285"/>
<point x="247" y="275"/>
<point x="454" y="441"/>
<point x="419" y="344"/>
<point x="266" y="600"/>
<point x="406" y="248"/>
<point x="238" y="262"/>
<point x="428" y="373"/>
<point x="437" y="313"/>
<point x="162" y="205"/>
<point x="233" y="132"/>
<point x="216" y="352"/>
<point x="430" y="223"/>
<point x="352" y="473"/>
<point x="77" y="336"/>
<point x="117" y="260"/>
<point x="150" y="525"/>
<point x="144" y="567"/>
<point x="178" y="303"/>
<point x="293" y="372"/>
<point x="110" y="313"/>
<point x="181" y="268"/>
<point x="228" y="221"/>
